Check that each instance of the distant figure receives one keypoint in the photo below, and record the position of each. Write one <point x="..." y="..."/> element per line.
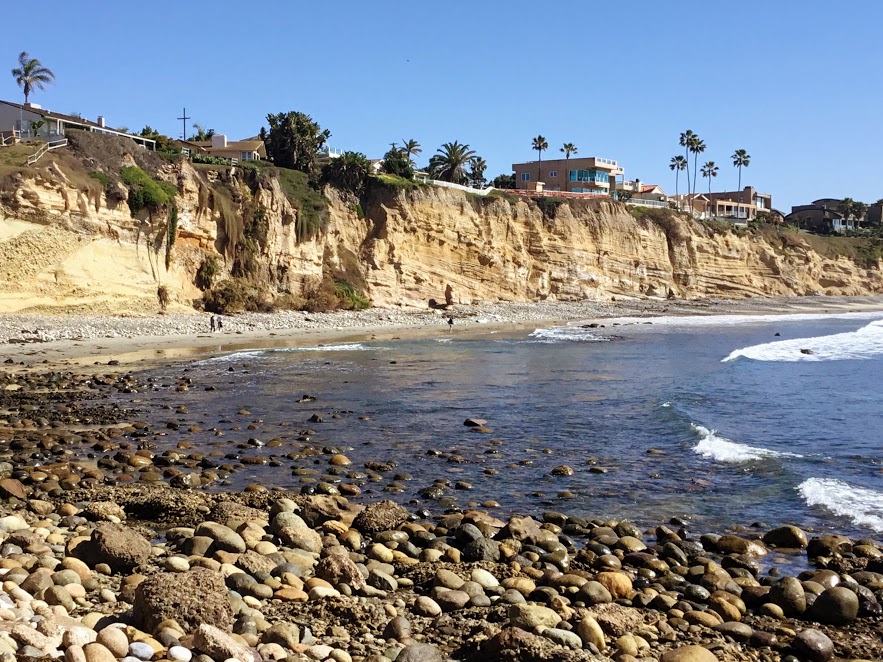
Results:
<point x="450" y="324"/>
<point x="220" y="324"/>
<point x="212" y="323"/>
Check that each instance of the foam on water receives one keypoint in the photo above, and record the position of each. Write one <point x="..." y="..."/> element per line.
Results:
<point x="721" y="449"/>
<point x="342" y="347"/>
<point x="865" y="343"/>
<point x="736" y="320"/>
<point x="234" y="356"/>
<point x="566" y="334"/>
<point x="861" y="505"/>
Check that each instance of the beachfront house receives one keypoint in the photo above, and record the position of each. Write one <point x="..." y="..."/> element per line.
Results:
<point x="822" y="216"/>
<point x="33" y="122"/>
<point x="251" y="149"/>
<point x="590" y="175"/>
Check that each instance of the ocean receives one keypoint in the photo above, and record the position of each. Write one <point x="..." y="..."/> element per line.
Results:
<point x="719" y="421"/>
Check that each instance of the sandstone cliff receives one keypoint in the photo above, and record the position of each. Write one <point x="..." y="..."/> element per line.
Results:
<point x="69" y="244"/>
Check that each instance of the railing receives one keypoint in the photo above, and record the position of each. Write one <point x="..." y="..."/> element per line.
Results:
<point x="55" y="144"/>
<point x="647" y="203"/>
<point x="460" y="187"/>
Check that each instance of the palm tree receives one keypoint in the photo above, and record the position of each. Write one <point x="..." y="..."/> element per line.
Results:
<point x="846" y="208"/>
<point x="677" y="164"/>
<point x="709" y="170"/>
<point x="685" y="141"/>
<point x="540" y="144"/>
<point x="741" y="159"/>
<point x="697" y="146"/>
<point x="568" y="149"/>
<point x="449" y="163"/>
<point x="411" y="148"/>
<point x="31" y="74"/>
<point x="859" y="209"/>
<point x="477" y="166"/>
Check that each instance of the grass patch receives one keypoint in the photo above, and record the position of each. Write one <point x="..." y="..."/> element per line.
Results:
<point x="100" y="177"/>
<point x="311" y="205"/>
<point x="146" y="192"/>
<point x="395" y="181"/>
<point x="17" y="155"/>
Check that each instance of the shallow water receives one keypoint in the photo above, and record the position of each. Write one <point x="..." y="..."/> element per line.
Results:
<point x="714" y="419"/>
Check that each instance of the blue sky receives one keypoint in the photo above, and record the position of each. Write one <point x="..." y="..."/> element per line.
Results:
<point x="798" y="83"/>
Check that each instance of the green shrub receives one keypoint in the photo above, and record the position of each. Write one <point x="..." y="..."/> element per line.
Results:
<point x="394" y="181"/>
<point x="172" y="233"/>
<point x="145" y="192"/>
<point x="311" y="205"/>
<point x="207" y="272"/>
<point x="359" y="212"/>
<point x="351" y="299"/>
<point x="100" y="177"/>
<point x="329" y="295"/>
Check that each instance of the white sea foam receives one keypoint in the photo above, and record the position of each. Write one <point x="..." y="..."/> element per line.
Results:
<point x="736" y="320"/>
<point x="861" y="505"/>
<point x="865" y="343"/>
<point x="234" y="356"/>
<point x="342" y="347"/>
<point x="442" y="340"/>
<point x="721" y="449"/>
<point x="567" y="334"/>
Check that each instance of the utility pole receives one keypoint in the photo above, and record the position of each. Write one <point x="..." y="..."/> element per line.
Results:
<point x="184" y="119"/>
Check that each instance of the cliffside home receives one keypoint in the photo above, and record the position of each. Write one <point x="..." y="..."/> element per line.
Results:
<point x="23" y="121"/>
<point x="592" y="175"/>
<point x="251" y="149"/>
<point x="824" y="216"/>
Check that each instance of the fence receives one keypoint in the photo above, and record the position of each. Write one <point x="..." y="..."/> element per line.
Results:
<point x="460" y="187"/>
<point x="55" y="144"/>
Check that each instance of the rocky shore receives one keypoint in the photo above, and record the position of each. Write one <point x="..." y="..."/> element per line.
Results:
<point x="24" y="329"/>
<point x="109" y="551"/>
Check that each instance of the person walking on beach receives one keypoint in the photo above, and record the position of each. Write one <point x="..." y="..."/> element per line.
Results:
<point x="220" y="324"/>
<point x="212" y="323"/>
<point x="450" y="324"/>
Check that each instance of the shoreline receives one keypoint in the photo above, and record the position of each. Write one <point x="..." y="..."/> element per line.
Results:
<point x="78" y="341"/>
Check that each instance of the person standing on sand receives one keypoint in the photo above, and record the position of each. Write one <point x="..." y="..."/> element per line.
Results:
<point x="212" y="323"/>
<point x="450" y="324"/>
<point x="220" y="323"/>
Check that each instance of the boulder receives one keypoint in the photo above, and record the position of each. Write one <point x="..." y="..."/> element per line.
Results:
<point x="225" y="538"/>
<point x="219" y="645"/>
<point x="836" y="606"/>
<point x="118" y="546"/>
<point x="381" y="516"/>
<point x="294" y="532"/>
<point x="420" y="653"/>
<point x="191" y="598"/>
<point x="788" y="593"/>
<point x="339" y="569"/>
<point x="813" y="646"/>
<point x="789" y="537"/>
<point x="529" y="616"/>
<point x="688" y="654"/>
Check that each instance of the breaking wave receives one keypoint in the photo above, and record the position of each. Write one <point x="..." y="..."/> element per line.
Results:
<point x="859" y="504"/>
<point x="736" y="320"/>
<point x="560" y="334"/>
<point x="721" y="449"/>
<point x="865" y="343"/>
<point x="234" y="356"/>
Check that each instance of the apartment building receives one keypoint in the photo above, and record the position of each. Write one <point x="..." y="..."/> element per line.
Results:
<point x="591" y="174"/>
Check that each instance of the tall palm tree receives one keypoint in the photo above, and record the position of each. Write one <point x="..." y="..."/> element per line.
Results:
<point x="859" y="209"/>
<point x="31" y="74"/>
<point x="449" y="163"/>
<point x="685" y="141"/>
<point x="568" y="149"/>
<point x="477" y="166"/>
<point x="697" y="146"/>
<point x="411" y="148"/>
<point x="709" y="170"/>
<point x="677" y="164"/>
<point x="741" y="159"/>
<point x="540" y="144"/>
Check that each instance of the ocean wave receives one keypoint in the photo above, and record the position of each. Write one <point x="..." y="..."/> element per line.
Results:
<point x="567" y="334"/>
<point x="859" y="504"/>
<point x="736" y="320"/>
<point x="865" y="343"/>
<point x="234" y="356"/>
<point x="721" y="449"/>
<point x="342" y="347"/>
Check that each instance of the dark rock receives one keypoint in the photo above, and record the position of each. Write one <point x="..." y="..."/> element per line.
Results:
<point x="381" y="516"/>
<point x="118" y="546"/>
<point x="813" y="645"/>
<point x="482" y="549"/>
<point x="339" y="569"/>
<point x="786" y="536"/>
<point x="420" y="653"/>
<point x="836" y="606"/>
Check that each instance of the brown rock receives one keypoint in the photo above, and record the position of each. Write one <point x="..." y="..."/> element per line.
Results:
<point x="219" y="645"/>
<point x="618" y="583"/>
<point x="382" y="516"/>
<point x="10" y="487"/>
<point x="119" y="547"/>
<point x="190" y="598"/>
<point x="339" y="569"/>
<point x="688" y="654"/>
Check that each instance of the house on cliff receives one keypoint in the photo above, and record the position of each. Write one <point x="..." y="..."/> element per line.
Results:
<point x="251" y="149"/>
<point x="31" y="121"/>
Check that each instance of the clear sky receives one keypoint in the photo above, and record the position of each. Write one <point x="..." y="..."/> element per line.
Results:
<point x="798" y="83"/>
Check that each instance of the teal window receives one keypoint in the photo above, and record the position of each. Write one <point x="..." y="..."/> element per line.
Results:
<point x="593" y="176"/>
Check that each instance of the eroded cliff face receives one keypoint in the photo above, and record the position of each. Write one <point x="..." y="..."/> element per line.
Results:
<point x="67" y="246"/>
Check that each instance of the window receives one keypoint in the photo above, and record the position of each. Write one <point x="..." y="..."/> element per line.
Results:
<point x="553" y="173"/>
<point x="246" y="156"/>
<point x="525" y="176"/>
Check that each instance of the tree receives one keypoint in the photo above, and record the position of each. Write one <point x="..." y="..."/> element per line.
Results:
<point x="163" y="143"/>
<point x="202" y="134"/>
<point x="709" y="170"/>
<point x="677" y="164"/>
<point x="859" y="209"/>
<point x="741" y="159"/>
<point x="411" y="148"/>
<point x="348" y="172"/>
<point x="685" y="141"/>
<point x="568" y="149"/>
<point x="540" y="144"/>
<point x="504" y="182"/>
<point x="697" y="146"/>
<point x="36" y="126"/>
<point x="293" y="140"/>
<point x="396" y="163"/>
<point x="449" y="162"/>
<point x="30" y="74"/>
<point x="477" y="166"/>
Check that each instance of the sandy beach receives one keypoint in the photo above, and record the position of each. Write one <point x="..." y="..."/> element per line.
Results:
<point x="80" y="341"/>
